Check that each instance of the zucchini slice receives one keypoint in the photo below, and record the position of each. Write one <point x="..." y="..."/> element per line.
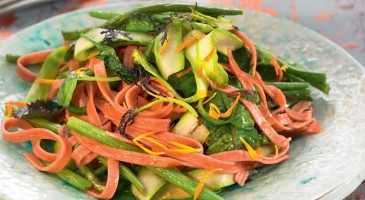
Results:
<point x="85" y="49"/>
<point x="152" y="184"/>
<point x="169" y="62"/>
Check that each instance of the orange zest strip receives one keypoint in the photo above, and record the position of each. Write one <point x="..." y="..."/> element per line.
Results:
<point x="210" y="98"/>
<point x="46" y="81"/>
<point x="200" y="69"/>
<point x="9" y="110"/>
<point x="210" y="55"/>
<point x="216" y="113"/>
<point x="206" y="59"/>
<point x="201" y="94"/>
<point x="258" y="150"/>
<point x="17" y="104"/>
<point x="145" y="149"/>
<point x="183" y="146"/>
<point x="81" y="71"/>
<point x="186" y="43"/>
<point x="145" y="134"/>
<point x="284" y="68"/>
<point x="166" y="196"/>
<point x="229" y="111"/>
<point x="200" y="186"/>
<point x="254" y="155"/>
<point x="182" y="73"/>
<point x="276" y="150"/>
<point x="164" y="46"/>
<point x="9" y="107"/>
<point x="153" y="141"/>
<point x="184" y="151"/>
<point x="180" y="109"/>
<point x="275" y="63"/>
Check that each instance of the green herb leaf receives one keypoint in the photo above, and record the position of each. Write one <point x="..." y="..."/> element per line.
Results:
<point x="240" y="124"/>
<point x="185" y="84"/>
<point x="112" y="61"/>
<point x="69" y="53"/>
<point x="242" y="56"/>
<point x="66" y="90"/>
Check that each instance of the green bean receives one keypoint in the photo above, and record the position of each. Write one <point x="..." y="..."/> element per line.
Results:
<point x="289" y="85"/>
<point x="317" y="80"/>
<point x="88" y="174"/>
<point x="297" y="94"/>
<point x="293" y="91"/>
<point x="77" y="110"/>
<point x="74" y="34"/>
<point x="103" y="14"/>
<point x="12" y="58"/>
<point x="97" y="134"/>
<point x="170" y="175"/>
<point x="45" y="123"/>
<point x="101" y="170"/>
<point x="184" y="182"/>
<point x="292" y="78"/>
<point x="296" y="72"/>
<point x="212" y="11"/>
<point x="262" y="54"/>
<point x="74" y="179"/>
<point x="49" y="70"/>
<point x="126" y="173"/>
<point x="117" y="20"/>
<point x="160" y="18"/>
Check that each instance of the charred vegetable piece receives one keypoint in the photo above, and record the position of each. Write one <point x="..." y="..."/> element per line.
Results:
<point x="38" y="109"/>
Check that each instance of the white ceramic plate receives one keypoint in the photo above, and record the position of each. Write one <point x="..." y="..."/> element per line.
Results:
<point x="328" y="166"/>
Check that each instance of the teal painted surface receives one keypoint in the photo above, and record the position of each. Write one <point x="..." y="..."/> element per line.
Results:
<point x="339" y="149"/>
<point x="305" y="181"/>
